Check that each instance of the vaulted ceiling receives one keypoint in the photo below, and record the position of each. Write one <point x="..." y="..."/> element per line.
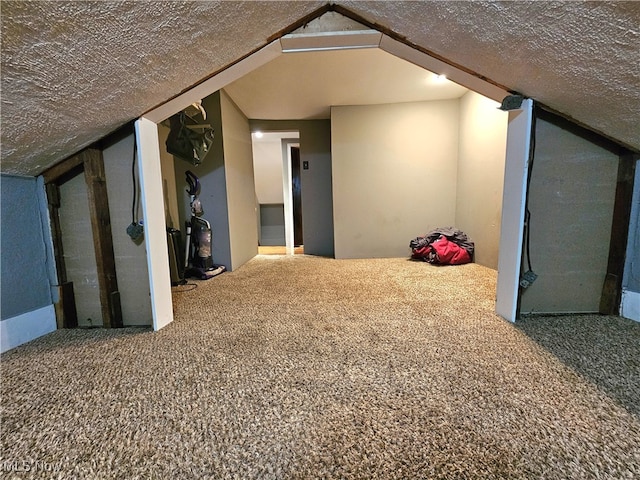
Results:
<point x="305" y="85"/>
<point x="72" y="72"/>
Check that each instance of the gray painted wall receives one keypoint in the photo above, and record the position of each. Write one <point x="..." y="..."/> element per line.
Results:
<point x="317" y="190"/>
<point x="401" y="170"/>
<point x="24" y="236"/>
<point x="241" y="190"/>
<point x="317" y="197"/>
<point x="227" y="187"/>
<point x="213" y="195"/>
<point x="272" y="224"/>
<point x="571" y="201"/>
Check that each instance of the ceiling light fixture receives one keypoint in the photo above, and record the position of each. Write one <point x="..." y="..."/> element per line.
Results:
<point x="258" y="134"/>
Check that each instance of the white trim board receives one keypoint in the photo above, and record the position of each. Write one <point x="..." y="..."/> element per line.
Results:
<point x="513" y="206"/>
<point x="155" y="236"/>
<point x="630" y="305"/>
<point x="215" y="83"/>
<point x="287" y="191"/>
<point x="28" y="326"/>
<point x="322" y="41"/>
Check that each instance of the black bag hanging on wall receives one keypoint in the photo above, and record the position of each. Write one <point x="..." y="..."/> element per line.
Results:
<point x="189" y="140"/>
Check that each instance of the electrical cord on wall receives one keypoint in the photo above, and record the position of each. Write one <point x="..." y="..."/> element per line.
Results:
<point x="529" y="276"/>
<point x="532" y="149"/>
<point x="135" y="229"/>
<point x="133" y="181"/>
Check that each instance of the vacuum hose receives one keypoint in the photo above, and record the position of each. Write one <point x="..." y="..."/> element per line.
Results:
<point x="194" y="183"/>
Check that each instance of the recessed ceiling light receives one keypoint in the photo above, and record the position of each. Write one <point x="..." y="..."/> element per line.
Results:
<point x="441" y="78"/>
<point x="258" y="134"/>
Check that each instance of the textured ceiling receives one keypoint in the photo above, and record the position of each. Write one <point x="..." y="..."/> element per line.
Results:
<point x="73" y="72"/>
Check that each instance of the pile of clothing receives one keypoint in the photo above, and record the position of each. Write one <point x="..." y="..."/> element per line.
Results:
<point x="443" y="246"/>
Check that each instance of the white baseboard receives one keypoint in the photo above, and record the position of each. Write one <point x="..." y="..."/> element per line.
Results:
<point x="23" y="328"/>
<point x="630" y="305"/>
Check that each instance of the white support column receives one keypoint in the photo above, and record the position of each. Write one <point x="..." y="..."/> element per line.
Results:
<point x="513" y="210"/>
<point x="155" y="234"/>
<point x="287" y="196"/>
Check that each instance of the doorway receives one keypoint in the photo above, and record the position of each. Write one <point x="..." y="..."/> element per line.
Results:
<point x="277" y="173"/>
<point x="296" y="194"/>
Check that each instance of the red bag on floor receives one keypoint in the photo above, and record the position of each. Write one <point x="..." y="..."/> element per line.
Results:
<point x="443" y="246"/>
<point x="449" y="253"/>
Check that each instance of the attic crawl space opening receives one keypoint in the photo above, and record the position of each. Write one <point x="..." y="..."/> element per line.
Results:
<point x="331" y="31"/>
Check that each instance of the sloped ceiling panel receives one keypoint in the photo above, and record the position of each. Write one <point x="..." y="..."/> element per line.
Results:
<point x="72" y="72"/>
<point x="582" y="59"/>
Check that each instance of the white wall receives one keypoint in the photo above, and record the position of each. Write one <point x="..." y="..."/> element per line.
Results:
<point x="394" y="175"/>
<point x="268" y="176"/>
<point x="267" y="156"/>
<point x="481" y="161"/>
<point x="130" y="257"/>
<point x="238" y="163"/>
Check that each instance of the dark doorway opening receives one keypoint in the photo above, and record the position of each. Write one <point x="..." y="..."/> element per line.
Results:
<point x="296" y="194"/>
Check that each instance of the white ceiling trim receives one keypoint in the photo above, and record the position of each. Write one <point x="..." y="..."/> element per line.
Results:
<point x="215" y="83"/>
<point x="322" y="41"/>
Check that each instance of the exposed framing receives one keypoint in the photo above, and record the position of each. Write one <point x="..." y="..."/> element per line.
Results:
<point x="66" y="313"/>
<point x="612" y="287"/>
<point x="92" y="164"/>
<point x="102" y="239"/>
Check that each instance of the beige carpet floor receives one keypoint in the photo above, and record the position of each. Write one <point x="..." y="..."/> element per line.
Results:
<point x="305" y="368"/>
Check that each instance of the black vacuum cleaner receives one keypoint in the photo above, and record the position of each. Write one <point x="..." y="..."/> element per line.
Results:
<point x="198" y="261"/>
